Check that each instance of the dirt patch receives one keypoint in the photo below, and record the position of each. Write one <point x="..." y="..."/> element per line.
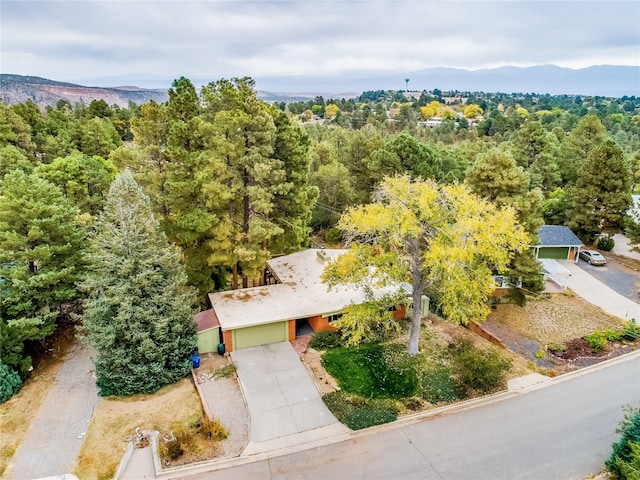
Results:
<point x="557" y="322"/>
<point x="554" y="319"/>
<point x="312" y="360"/>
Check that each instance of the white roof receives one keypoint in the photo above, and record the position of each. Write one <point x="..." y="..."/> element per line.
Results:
<point x="553" y="267"/>
<point x="301" y="294"/>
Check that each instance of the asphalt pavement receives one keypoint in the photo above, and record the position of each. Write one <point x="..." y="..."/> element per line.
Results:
<point x="52" y="444"/>
<point x="616" y="276"/>
<point x="562" y="431"/>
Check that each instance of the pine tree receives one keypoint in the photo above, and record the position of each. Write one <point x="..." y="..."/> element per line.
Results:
<point x="138" y="315"/>
<point x="496" y="177"/>
<point x="41" y="247"/>
<point x="602" y="194"/>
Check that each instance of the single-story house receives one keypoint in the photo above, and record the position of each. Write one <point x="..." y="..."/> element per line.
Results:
<point x="557" y="242"/>
<point x="293" y="302"/>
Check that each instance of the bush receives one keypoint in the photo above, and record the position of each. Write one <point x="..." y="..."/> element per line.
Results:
<point x="477" y="370"/>
<point x="334" y="235"/>
<point x="212" y="429"/>
<point x="357" y="412"/>
<point x="325" y="340"/>
<point x="630" y="331"/>
<point x="606" y="243"/>
<point x="599" y="340"/>
<point x="624" y="454"/>
<point x="10" y="382"/>
<point x="174" y="450"/>
<point x="437" y="385"/>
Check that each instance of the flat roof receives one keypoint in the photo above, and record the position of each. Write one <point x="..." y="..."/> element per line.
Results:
<point x="300" y="295"/>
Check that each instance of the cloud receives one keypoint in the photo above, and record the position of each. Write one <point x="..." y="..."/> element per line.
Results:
<point x="71" y="39"/>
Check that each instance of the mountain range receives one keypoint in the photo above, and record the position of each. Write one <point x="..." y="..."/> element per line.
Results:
<point x="601" y="80"/>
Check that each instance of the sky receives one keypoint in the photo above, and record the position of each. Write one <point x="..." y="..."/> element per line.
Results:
<point x="83" y="40"/>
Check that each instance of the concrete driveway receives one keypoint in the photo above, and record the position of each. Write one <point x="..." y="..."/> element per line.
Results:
<point x="599" y="294"/>
<point x="284" y="405"/>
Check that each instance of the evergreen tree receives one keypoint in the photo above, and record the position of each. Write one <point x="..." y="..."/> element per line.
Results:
<point x="138" y="315"/>
<point x="496" y="177"/>
<point x="41" y="247"/>
<point x="602" y="194"/>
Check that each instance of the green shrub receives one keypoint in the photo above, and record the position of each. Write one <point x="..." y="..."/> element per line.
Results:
<point x="437" y="385"/>
<point x="325" y="340"/>
<point x="606" y="243"/>
<point x="10" y="382"/>
<point x="395" y="374"/>
<point x="630" y="331"/>
<point x="357" y="412"/>
<point x="624" y="455"/>
<point x="334" y="235"/>
<point x="597" y="341"/>
<point x="477" y="370"/>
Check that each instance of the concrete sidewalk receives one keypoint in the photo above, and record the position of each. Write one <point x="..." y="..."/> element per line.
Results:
<point x="599" y="294"/>
<point x="284" y="404"/>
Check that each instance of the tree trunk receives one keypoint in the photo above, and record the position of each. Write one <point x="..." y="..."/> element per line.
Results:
<point x="413" y="247"/>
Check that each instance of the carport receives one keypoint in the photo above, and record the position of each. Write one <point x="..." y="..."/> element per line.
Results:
<point x="555" y="272"/>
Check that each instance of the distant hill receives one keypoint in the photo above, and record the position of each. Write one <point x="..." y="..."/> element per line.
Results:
<point x="602" y="80"/>
<point x="18" y="89"/>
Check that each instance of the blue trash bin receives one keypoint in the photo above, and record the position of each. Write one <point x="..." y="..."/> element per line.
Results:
<point x="196" y="361"/>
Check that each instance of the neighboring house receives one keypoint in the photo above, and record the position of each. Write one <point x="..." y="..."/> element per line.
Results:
<point x="557" y="242"/>
<point x="293" y="302"/>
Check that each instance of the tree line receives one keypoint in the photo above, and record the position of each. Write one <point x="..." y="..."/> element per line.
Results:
<point x="231" y="181"/>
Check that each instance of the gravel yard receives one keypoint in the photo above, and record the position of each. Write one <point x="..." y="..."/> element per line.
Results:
<point x="225" y="401"/>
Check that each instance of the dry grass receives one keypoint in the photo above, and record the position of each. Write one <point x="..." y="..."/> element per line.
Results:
<point x="115" y="419"/>
<point x="17" y="414"/>
<point x="555" y="320"/>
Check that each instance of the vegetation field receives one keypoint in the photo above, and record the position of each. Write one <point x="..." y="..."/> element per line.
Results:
<point x="379" y="381"/>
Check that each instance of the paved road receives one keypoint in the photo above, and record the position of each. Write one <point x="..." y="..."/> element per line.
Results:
<point x="615" y="276"/>
<point x="563" y="431"/>
<point x="53" y="442"/>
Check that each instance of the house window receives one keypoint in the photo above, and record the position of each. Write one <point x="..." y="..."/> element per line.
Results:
<point x="335" y="317"/>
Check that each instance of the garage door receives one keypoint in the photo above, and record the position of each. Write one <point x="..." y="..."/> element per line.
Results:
<point x="260" y="335"/>
<point x="557" y="253"/>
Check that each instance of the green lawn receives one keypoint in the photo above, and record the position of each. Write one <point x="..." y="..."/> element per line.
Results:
<point x="380" y="380"/>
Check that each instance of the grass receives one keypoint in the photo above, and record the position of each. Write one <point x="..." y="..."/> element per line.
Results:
<point x="174" y="407"/>
<point x="17" y="414"/>
<point x="379" y="381"/>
